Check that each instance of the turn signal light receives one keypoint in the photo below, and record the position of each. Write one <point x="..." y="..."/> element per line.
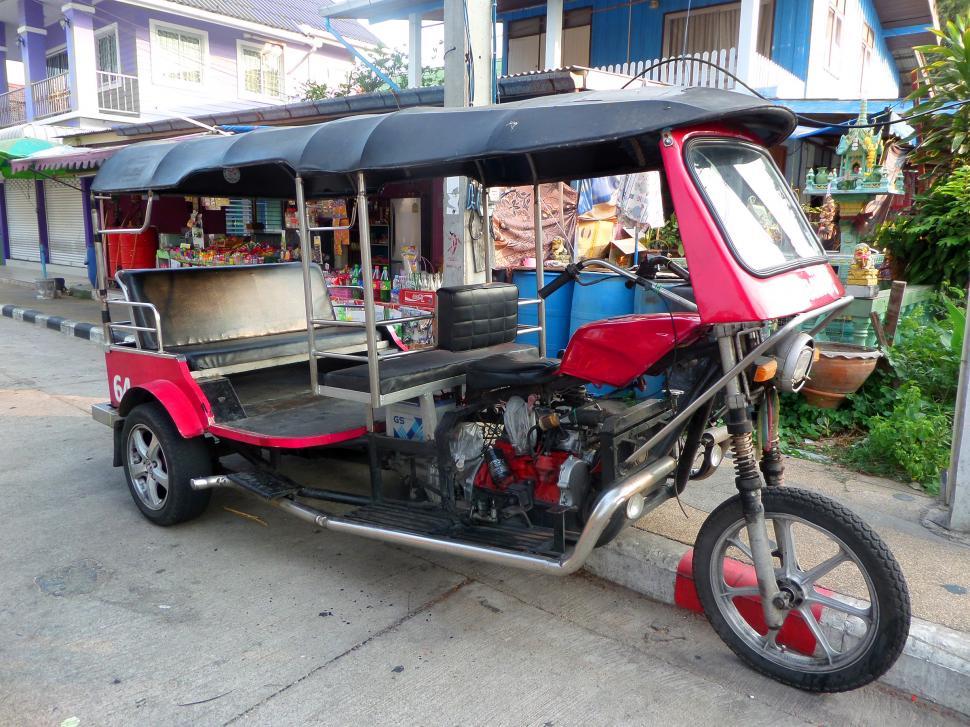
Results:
<point x="765" y="371"/>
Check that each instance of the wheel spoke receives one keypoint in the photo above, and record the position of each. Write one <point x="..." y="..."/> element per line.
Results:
<point x="771" y="640"/>
<point x="151" y="491"/>
<point x="809" y="577"/>
<point x="739" y="591"/>
<point x="160" y="475"/>
<point x="736" y="542"/>
<point x="836" y="605"/>
<point x="137" y="469"/>
<point x="809" y="618"/>
<point x="153" y="449"/>
<point x="786" y="546"/>
<point x="141" y="446"/>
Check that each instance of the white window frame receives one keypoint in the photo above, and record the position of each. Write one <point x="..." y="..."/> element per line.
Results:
<point x="158" y="78"/>
<point x="241" y="75"/>
<point x="111" y="29"/>
<point x="56" y="51"/>
<point x="868" y="46"/>
<point x="834" y="35"/>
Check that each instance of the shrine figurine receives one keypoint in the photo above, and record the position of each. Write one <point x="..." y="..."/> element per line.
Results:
<point x="862" y="271"/>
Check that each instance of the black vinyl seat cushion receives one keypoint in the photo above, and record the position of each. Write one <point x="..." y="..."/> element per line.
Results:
<point x="216" y="354"/>
<point x="421" y="368"/>
<point x="510" y="369"/>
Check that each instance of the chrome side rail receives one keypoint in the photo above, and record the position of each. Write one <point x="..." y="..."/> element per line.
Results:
<point x="156" y="329"/>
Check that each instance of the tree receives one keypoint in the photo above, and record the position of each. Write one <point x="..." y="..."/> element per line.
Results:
<point x="361" y="79"/>
<point x="944" y="78"/>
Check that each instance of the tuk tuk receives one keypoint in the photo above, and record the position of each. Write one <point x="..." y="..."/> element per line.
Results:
<point x="517" y="464"/>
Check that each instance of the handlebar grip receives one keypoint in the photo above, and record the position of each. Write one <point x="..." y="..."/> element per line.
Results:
<point x="679" y="271"/>
<point x="556" y="284"/>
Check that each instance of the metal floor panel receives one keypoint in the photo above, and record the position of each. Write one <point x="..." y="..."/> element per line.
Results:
<point x="440" y="525"/>
<point x="317" y="416"/>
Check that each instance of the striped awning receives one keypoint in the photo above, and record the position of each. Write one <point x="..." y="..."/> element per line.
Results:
<point x="63" y="158"/>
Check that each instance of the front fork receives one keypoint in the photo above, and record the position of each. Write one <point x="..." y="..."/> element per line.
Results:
<point x="749" y="481"/>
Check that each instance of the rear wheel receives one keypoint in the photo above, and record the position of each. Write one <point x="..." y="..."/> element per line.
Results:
<point x="159" y="463"/>
<point x="847" y="613"/>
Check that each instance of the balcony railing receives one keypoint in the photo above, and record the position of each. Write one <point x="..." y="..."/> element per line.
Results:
<point x="13" y="108"/>
<point x="118" y="93"/>
<point x="51" y="96"/>
<point x="765" y="75"/>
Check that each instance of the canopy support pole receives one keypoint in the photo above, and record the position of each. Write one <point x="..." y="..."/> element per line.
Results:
<point x="101" y="275"/>
<point x="370" y="310"/>
<point x="487" y="237"/>
<point x="307" y="283"/>
<point x="540" y="267"/>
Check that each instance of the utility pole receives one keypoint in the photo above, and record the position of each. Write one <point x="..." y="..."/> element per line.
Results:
<point x="468" y="82"/>
<point x="958" y="476"/>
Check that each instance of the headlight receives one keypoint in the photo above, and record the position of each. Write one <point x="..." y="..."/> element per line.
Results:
<point x="795" y="356"/>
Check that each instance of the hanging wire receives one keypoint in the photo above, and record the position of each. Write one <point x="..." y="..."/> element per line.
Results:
<point x="800" y="117"/>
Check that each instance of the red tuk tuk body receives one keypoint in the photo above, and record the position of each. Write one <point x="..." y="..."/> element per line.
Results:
<point x="523" y="467"/>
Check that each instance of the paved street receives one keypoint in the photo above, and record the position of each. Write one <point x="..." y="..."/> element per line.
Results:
<point x="231" y="619"/>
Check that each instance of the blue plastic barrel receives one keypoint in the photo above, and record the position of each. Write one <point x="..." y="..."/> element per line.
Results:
<point x="558" y="310"/>
<point x="607" y="297"/>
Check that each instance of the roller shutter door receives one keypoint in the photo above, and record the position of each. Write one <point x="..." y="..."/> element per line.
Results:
<point x="65" y="224"/>
<point x="21" y="200"/>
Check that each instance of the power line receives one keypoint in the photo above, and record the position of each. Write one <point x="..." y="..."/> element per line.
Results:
<point x="800" y="117"/>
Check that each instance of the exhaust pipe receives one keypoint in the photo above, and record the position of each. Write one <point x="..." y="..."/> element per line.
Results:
<point x="209" y="483"/>
<point x="644" y="481"/>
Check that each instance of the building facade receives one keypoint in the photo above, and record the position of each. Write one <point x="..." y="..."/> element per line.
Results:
<point x="81" y="66"/>
<point x="787" y="49"/>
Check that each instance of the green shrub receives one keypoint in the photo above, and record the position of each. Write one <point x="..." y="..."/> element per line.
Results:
<point x="901" y="419"/>
<point x="932" y="245"/>
<point x="913" y="439"/>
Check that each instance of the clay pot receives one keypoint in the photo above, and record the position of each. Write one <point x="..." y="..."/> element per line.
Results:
<point x="841" y="369"/>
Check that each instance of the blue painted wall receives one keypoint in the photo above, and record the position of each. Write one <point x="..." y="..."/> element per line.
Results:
<point x="614" y="24"/>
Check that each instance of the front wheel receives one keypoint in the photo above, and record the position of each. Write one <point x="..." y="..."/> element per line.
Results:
<point x="847" y="613"/>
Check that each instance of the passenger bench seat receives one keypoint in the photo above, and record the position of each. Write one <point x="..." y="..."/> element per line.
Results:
<point x="474" y="321"/>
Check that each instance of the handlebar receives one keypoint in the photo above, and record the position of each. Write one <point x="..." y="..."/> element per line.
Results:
<point x="570" y="272"/>
<point x="644" y="279"/>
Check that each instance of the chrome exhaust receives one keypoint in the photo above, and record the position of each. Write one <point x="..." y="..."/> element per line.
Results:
<point x="644" y="481"/>
<point x="209" y="483"/>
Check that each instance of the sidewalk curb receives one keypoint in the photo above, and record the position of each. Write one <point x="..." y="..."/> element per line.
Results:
<point x="934" y="665"/>
<point x="78" y="329"/>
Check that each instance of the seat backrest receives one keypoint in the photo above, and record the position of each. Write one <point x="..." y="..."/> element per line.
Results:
<point x="205" y="304"/>
<point x="476" y="316"/>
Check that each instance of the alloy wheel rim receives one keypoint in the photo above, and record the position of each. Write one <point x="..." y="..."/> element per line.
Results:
<point x="147" y="467"/>
<point x="852" y="622"/>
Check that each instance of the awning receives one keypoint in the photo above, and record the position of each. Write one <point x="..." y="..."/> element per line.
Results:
<point x="569" y="136"/>
<point x="13" y="149"/>
<point x="63" y="158"/>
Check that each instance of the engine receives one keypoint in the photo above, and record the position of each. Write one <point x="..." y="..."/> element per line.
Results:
<point x="543" y="461"/>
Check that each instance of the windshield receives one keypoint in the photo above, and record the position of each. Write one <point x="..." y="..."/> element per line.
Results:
<point x="754" y="205"/>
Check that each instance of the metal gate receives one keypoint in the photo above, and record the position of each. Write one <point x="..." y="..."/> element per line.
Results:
<point x="65" y="223"/>
<point x="21" y="199"/>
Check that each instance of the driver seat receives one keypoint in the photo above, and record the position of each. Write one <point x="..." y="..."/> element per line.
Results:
<point x="510" y="369"/>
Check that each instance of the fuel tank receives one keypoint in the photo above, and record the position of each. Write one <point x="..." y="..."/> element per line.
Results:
<point x="615" y="351"/>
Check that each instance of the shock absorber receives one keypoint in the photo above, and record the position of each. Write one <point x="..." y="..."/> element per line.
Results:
<point x="748" y="482"/>
<point x="772" y="463"/>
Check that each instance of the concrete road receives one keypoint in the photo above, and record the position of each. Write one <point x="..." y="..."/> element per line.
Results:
<point x="109" y="620"/>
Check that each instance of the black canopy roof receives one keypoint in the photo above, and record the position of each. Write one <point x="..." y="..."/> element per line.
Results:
<point x="568" y="136"/>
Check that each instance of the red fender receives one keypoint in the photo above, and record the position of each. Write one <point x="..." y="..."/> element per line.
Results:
<point x="191" y="421"/>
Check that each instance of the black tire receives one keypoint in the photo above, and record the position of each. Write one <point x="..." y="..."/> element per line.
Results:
<point x="181" y="459"/>
<point x="890" y="619"/>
